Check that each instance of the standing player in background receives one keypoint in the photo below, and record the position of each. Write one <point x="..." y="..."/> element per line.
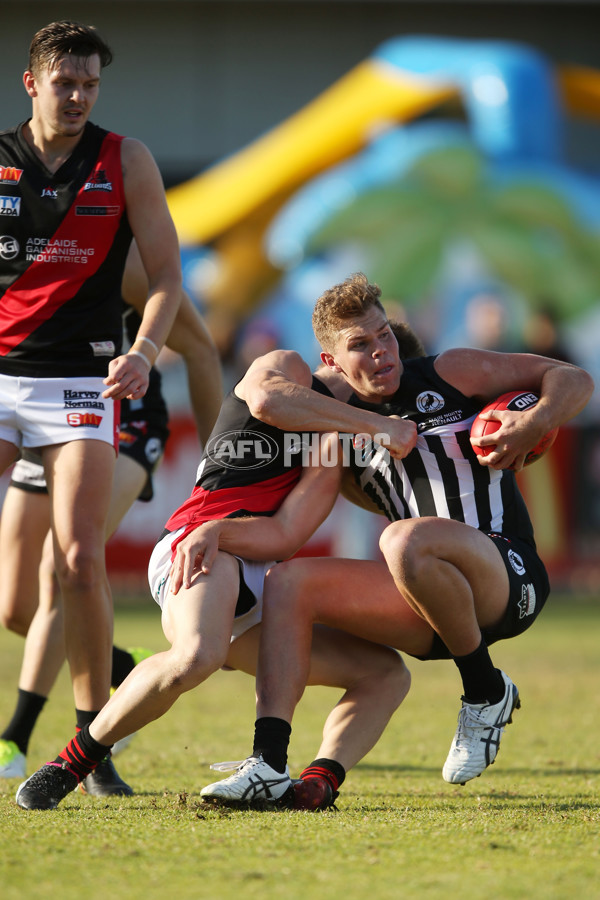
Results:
<point x="78" y="193"/>
<point x="25" y="523"/>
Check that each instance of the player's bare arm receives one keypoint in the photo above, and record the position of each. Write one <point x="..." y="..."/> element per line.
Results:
<point x="563" y="390"/>
<point x="189" y="337"/>
<point x="156" y="238"/>
<point x="277" y="391"/>
<point x="263" y="537"/>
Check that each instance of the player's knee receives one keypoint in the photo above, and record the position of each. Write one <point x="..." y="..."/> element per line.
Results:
<point x="80" y="568"/>
<point x="293" y="580"/>
<point x="283" y="580"/>
<point x="397" y="681"/>
<point x="405" y="550"/>
<point x="390" y="678"/>
<point x="194" y="663"/>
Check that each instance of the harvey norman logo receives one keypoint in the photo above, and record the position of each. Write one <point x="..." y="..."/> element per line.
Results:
<point x="255" y="450"/>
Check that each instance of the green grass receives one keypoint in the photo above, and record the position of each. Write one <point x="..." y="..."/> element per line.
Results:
<point x="528" y="828"/>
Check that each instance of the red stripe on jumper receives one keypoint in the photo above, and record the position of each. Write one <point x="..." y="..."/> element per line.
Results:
<point x="34" y="297"/>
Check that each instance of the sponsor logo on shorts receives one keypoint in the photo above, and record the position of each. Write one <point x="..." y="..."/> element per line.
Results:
<point x="10" y="206"/>
<point x="9" y="247"/>
<point x="81" y="395"/>
<point x="430" y="402"/>
<point x="153" y="450"/>
<point x="50" y="192"/>
<point x="97" y="210"/>
<point x="242" y="450"/>
<point x="83" y="404"/>
<point x="102" y="348"/>
<point x="10" y="175"/>
<point x="516" y="562"/>
<point x="82" y="400"/>
<point x="527" y="601"/>
<point x="77" y="420"/>
<point x="127" y="439"/>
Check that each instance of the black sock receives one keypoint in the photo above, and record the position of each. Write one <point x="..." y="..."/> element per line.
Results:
<point x="20" y="727"/>
<point x="271" y="740"/>
<point x="82" y="754"/>
<point x="329" y="769"/>
<point x="85" y="717"/>
<point x="122" y="664"/>
<point x="482" y="682"/>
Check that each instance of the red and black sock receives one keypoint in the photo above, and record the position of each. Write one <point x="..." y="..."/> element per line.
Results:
<point x="333" y="772"/>
<point x="82" y="754"/>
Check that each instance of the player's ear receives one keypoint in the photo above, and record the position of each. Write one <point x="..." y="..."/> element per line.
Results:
<point x="328" y="360"/>
<point x="29" y="82"/>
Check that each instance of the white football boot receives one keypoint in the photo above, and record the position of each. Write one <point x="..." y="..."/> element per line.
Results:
<point x="253" y="784"/>
<point x="477" y="739"/>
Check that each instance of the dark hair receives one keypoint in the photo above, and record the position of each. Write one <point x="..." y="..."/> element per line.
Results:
<point x="409" y="345"/>
<point x="353" y="297"/>
<point x="66" y="38"/>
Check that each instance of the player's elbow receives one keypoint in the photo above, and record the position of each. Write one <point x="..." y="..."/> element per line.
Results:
<point x="261" y="403"/>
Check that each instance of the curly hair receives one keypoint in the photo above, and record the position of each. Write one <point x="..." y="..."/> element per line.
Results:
<point x="66" y="38"/>
<point x="353" y="297"/>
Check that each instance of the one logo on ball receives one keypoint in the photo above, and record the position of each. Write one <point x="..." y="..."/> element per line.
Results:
<point x="522" y="401"/>
<point x="242" y="449"/>
<point x="430" y="402"/>
<point x="516" y="562"/>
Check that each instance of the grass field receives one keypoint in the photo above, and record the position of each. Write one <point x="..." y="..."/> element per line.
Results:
<point x="528" y="828"/>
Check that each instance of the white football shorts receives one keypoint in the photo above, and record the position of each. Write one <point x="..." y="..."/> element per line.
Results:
<point x="39" y="412"/>
<point x="252" y="579"/>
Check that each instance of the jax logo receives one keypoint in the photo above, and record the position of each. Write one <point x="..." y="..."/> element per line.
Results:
<point x="242" y="449"/>
<point x="76" y="420"/>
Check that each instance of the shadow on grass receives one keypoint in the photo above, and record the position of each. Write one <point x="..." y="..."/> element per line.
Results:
<point x="435" y="770"/>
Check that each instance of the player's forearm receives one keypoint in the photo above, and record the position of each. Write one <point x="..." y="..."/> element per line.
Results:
<point x="294" y="407"/>
<point x="159" y="313"/>
<point x="281" y="535"/>
<point x="565" y="391"/>
<point x="261" y="538"/>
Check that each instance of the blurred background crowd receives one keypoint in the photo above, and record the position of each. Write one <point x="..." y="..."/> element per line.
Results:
<point x="449" y="150"/>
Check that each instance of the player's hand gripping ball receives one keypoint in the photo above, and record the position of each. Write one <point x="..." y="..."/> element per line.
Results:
<point x="514" y="401"/>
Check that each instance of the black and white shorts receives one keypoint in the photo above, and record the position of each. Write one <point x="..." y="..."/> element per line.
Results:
<point x="529" y="588"/>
